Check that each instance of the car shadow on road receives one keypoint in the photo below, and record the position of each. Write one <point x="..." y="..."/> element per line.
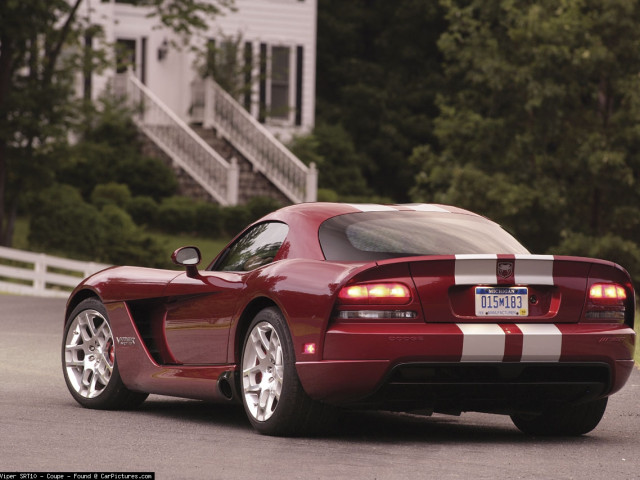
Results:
<point x="366" y="426"/>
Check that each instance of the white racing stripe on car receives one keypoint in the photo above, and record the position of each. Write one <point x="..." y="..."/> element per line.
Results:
<point x="482" y="342"/>
<point x="476" y="269"/>
<point x="541" y="342"/>
<point x="486" y="342"/>
<point x="533" y="269"/>
<point x="482" y="269"/>
<point x="372" y="207"/>
<point x="426" y="207"/>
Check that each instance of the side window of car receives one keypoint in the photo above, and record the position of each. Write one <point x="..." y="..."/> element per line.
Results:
<point x="257" y="247"/>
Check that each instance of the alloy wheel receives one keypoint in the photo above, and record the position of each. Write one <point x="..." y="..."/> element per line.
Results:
<point x="262" y="371"/>
<point x="89" y="353"/>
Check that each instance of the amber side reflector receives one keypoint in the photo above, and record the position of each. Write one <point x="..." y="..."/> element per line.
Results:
<point x="375" y="294"/>
<point x="309" y="348"/>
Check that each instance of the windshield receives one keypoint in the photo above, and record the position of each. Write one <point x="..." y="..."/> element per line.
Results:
<point x="371" y="236"/>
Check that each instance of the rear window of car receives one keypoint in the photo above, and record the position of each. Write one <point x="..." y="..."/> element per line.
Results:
<point x="369" y="236"/>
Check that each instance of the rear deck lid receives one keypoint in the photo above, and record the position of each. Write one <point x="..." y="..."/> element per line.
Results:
<point x="500" y="288"/>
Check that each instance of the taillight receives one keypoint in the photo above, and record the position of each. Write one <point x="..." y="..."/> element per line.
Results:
<point x="606" y="302"/>
<point x="607" y="292"/>
<point x="375" y="294"/>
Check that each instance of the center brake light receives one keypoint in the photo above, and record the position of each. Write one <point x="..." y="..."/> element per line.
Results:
<point x="375" y="294"/>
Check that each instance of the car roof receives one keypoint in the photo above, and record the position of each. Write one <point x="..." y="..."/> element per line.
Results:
<point x="313" y="214"/>
<point x="304" y="220"/>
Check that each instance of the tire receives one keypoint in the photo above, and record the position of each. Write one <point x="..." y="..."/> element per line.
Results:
<point x="568" y="420"/>
<point x="89" y="363"/>
<point x="272" y="395"/>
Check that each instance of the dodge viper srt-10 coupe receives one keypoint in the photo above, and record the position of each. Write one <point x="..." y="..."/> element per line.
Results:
<point x="418" y="307"/>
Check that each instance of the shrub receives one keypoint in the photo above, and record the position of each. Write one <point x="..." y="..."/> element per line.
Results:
<point x="143" y="210"/>
<point x="111" y="194"/>
<point x="62" y="221"/>
<point x="127" y="244"/>
<point x="146" y="176"/>
<point x="260" y="206"/>
<point x="177" y="214"/>
<point x="234" y="219"/>
<point x="209" y="220"/>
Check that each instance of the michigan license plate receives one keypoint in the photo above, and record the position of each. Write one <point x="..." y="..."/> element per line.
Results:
<point x="502" y="302"/>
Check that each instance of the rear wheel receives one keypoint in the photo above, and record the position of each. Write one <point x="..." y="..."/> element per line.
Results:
<point x="273" y="397"/>
<point x="89" y="360"/>
<point x="569" y="420"/>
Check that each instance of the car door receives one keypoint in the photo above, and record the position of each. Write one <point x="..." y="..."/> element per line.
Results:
<point x="200" y="310"/>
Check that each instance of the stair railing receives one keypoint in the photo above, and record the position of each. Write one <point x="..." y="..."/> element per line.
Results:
<point x="258" y="145"/>
<point x="185" y="147"/>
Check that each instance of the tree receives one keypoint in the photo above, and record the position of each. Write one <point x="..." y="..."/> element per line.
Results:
<point x="378" y="75"/>
<point x="37" y="105"/>
<point x="538" y="125"/>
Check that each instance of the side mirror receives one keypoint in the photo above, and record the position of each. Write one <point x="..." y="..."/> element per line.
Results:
<point x="188" y="257"/>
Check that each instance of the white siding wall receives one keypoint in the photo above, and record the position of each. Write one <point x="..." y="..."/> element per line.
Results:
<point x="290" y="23"/>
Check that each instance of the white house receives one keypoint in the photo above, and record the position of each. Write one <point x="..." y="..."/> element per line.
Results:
<point x="276" y="53"/>
<point x="278" y="36"/>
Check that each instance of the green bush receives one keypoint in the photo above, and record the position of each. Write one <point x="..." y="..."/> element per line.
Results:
<point x="143" y="210"/>
<point x="177" y="215"/>
<point x="111" y="194"/>
<point x="62" y="221"/>
<point x="260" y="206"/>
<point x="127" y="244"/>
<point x="110" y="150"/>
<point x="146" y="176"/>
<point x="209" y="220"/>
<point x="234" y="219"/>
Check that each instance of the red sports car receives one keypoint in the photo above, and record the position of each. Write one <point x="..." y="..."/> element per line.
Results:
<point x="398" y="307"/>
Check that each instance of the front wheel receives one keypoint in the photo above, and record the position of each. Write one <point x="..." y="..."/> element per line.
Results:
<point x="89" y="360"/>
<point x="273" y="397"/>
<point x="568" y="420"/>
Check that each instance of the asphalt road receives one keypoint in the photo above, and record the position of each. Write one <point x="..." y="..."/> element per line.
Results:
<point x="43" y="429"/>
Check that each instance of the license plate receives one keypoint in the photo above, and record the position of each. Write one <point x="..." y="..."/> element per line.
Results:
<point x="502" y="302"/>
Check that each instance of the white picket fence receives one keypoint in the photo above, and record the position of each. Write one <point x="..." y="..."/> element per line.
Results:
<point x="27" y="273"/>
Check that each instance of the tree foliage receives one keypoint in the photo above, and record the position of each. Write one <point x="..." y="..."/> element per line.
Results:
<point x="41" y="49"/>
<point x="378" y="74"/>
<point x="538" y="125"/>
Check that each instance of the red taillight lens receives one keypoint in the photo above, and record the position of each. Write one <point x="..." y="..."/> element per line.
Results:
<point x="375" y="294"/>
<point x="607" y="292"/>
<point x="606" y="303"/>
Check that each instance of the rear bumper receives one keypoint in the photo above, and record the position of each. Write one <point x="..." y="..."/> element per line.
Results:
<point x="435" y="364"/>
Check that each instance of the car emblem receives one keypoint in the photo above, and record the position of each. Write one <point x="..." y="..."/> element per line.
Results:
<point x="505" y="269"/>
<point x="126" y="341"/>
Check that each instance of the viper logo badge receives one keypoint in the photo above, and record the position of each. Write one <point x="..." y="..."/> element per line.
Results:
<point x="505" y="269"/>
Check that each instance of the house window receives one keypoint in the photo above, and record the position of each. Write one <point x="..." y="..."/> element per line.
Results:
<point x="280" y="68"/>
<point x="280" y="87"/>
<point x="125" y="55"/>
